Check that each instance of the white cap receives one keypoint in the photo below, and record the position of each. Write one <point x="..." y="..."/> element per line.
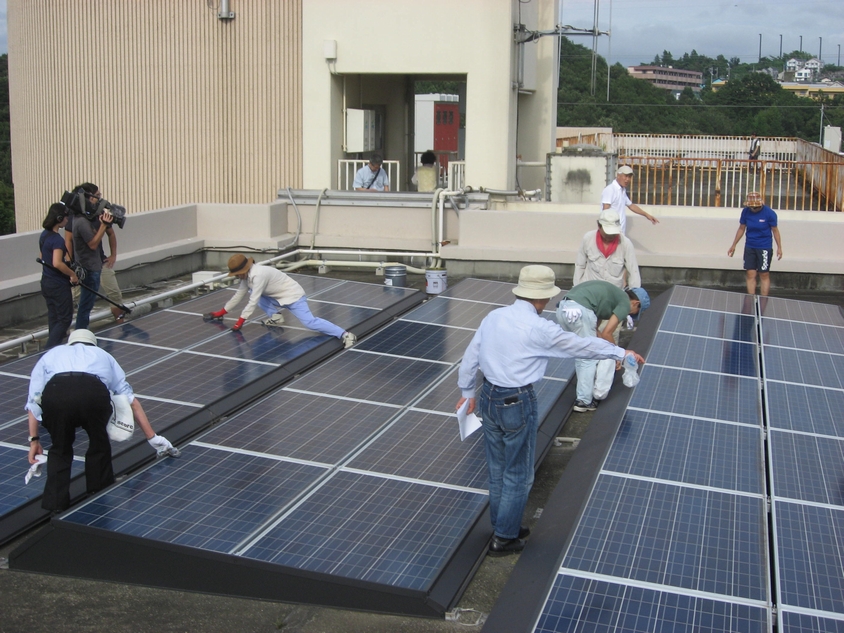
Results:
<point x="625" y="170"/>
<point x="82" y="336"/>
<point x="610" y="222"/>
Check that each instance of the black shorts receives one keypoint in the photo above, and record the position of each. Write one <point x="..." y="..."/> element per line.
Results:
<point x="758" y="259"/>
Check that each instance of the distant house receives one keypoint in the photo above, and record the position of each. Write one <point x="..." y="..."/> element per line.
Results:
<point x="814" y="64"/>
<point x="804" y="74"/>
<point x="668" y="78"/>
<point x="814" y="90"/>
<point x="794" y="64"/>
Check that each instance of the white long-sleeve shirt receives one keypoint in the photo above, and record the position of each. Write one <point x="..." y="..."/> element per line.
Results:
<point x="513" y="344"/>
<point x="616" y="196"/>
<point x="81" y="358"/>
<point x="590" y="263"/>
<point x="268" y="281"/>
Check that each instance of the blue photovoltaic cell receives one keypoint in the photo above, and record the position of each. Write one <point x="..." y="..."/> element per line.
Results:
<point x="165" y="329"/>
<point x="702" y="395"/>
<point x="673" y="535"/>
<point x="717" y="300"/>
<point x="443" y="311"/>
<point x="261" y="343"/>
<point x="789" y="622"/>
<point x="13" y="395"/>
<point x="695" y="352"/>
<point x="371" y="377"/>
<point x="810" y="552"/>
<point x="807" y="368"/>
<point x="578" y="605"/>
<point x="805" y="408"/>
<point x="354" y="293"/>
<point x="419" y="340"/>
<point x="373" y="529"/>
<point x="444" y="396"/>
<point x="313" y="284"/>
<point x="210" y="302"/>
<point x="793" y="310"/>
<point x="805" y="336"/>
<point x="22" y="366"/>
<point x="735" y="327"/>
<point x="302" y="426"/>
<point x="547" y="392"/>
<point x="699" y="452"/>
<point x="195" y="378"/>
<point x="484" y="291"/>
<point x="211" y="499"/>
<point x="14" y="492"/>
<point x="560" y="368"/>
<point x="807" y="467"/>
<point x="133" y="357"/>
<point x="427" y="446"/>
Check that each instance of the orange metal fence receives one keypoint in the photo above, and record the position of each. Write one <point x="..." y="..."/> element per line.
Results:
<point x="717" y="182"/>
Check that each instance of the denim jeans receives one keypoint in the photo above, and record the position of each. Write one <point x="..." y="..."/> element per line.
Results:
<point x="87" y="299"/>
<point x="510" y="421"/>
<point x="586" y="325"/>
<point x="59" y="300"/>
<point x="301" y="311"/>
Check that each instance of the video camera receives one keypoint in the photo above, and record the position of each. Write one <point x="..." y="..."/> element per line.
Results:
<point x="79" y="202"/>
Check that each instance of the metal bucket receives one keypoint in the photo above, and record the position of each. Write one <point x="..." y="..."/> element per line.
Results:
<point x="436" y="280"/>
<point x="395" y="276"/>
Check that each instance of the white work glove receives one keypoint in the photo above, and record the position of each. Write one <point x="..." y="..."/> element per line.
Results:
<point x="572" y="314"/>
<point x="35" y="469"/>
<point x="629" y="322"/>
<point x="163" y="446"/>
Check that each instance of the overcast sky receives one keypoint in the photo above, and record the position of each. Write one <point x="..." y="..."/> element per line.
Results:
<point x="642" y="29"/>
<point x="4" y="44"/>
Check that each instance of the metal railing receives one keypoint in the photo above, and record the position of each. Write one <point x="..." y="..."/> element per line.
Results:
<point x="456" y="175"/>
<point x="346" y="170"/>
<point x="699" y="146"/>
<point x="785" y="185"/>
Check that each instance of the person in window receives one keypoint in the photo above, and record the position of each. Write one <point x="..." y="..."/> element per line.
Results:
<point x="372" y="177"/>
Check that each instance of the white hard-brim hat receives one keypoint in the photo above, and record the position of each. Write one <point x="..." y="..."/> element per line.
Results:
<point x="536" y="282"/>
<point x="625" y="170"/>
<point x="82" y="336"/>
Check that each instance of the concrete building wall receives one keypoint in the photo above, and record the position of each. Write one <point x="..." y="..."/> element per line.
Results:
<point x="158" y="102"/>
<point x="386" y="40"/>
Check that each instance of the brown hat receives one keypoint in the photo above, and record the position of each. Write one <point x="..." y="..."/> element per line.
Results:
<point x="754" y="199"/>
<point x="239" y="264"/>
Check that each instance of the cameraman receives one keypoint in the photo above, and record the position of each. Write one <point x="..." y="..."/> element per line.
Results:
<point x="88" y="231"/>
<point x="108" y="279"/>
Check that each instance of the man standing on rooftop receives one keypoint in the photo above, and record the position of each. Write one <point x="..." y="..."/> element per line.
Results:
<point x="615" y="197"/>
<point x="760" y="222"/>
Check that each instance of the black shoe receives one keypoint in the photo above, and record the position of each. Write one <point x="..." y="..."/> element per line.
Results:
<point x="583" y="407"/>
<point x="524" y="532"/>
<point x="505" y="547"/>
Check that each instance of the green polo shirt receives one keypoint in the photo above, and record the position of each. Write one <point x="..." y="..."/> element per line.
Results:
<point x="602" y="297"/>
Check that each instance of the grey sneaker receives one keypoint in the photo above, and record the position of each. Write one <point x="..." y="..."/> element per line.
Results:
<point x="583" y="407"/>
<point x="276" y="320"/>
<point x="349" y="339"/>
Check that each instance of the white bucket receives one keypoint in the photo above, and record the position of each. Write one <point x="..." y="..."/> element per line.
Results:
<point x="395" y="276"/>
<point x="436" y="280"/>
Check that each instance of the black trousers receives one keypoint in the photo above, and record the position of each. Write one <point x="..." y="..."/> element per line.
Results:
<point x="69" y="401"/>
<point x="59" y="297"/>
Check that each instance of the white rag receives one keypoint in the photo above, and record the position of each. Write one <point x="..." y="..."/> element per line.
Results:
<point x="35" y="469"/>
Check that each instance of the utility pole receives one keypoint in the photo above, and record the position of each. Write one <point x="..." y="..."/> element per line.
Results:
<point x="801" y="43"/>
<point x="780" y="45"/>
<point x="760" y="48"/>
<point x="839" y="55"/>
<point x="820" y="49"/>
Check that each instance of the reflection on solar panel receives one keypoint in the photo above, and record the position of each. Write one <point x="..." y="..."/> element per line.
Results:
<point x="189" y="373"/>
<point x="349" y="486"/>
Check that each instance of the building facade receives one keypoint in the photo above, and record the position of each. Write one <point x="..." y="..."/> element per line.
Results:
<point x="668" y="78"/>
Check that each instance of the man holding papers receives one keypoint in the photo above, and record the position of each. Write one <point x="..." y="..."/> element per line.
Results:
<point x="512" y="347"/>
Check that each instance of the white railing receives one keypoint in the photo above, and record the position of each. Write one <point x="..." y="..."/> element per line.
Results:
<point x="456" y="174"/>
<point x="346" y="170"/>
<point x="687" y="146"/>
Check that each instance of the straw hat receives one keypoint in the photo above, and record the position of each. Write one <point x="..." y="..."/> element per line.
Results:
<point x="239" y="264"/>
<point x="536" y="282"/>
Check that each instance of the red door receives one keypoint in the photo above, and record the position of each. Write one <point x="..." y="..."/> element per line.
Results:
<point x="446" y="126"/>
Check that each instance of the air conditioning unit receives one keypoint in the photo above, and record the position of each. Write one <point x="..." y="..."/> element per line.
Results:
<point x="360" y="131"/>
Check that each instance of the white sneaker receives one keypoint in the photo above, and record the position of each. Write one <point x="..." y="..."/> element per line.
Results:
<point x="276" y="320"/>
<point x="349" y="339"/>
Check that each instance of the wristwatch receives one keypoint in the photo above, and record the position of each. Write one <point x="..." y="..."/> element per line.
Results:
<point x="34" y="438"/>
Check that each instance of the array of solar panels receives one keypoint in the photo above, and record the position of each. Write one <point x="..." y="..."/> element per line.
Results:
<point x="179" y="365"/>
<point x="675" y="535"/>
<point x="354" y="471"/>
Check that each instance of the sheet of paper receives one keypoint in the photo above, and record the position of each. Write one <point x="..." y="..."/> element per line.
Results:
<point x="468" y="423"/>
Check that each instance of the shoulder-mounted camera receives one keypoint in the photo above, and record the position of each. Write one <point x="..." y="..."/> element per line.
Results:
<point x="79" y="202"/>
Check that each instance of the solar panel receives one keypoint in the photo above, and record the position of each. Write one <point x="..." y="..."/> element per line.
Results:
<point x="189" y="373"/>
<point x="712" y="355"/>
<point x="377" y="486"/>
